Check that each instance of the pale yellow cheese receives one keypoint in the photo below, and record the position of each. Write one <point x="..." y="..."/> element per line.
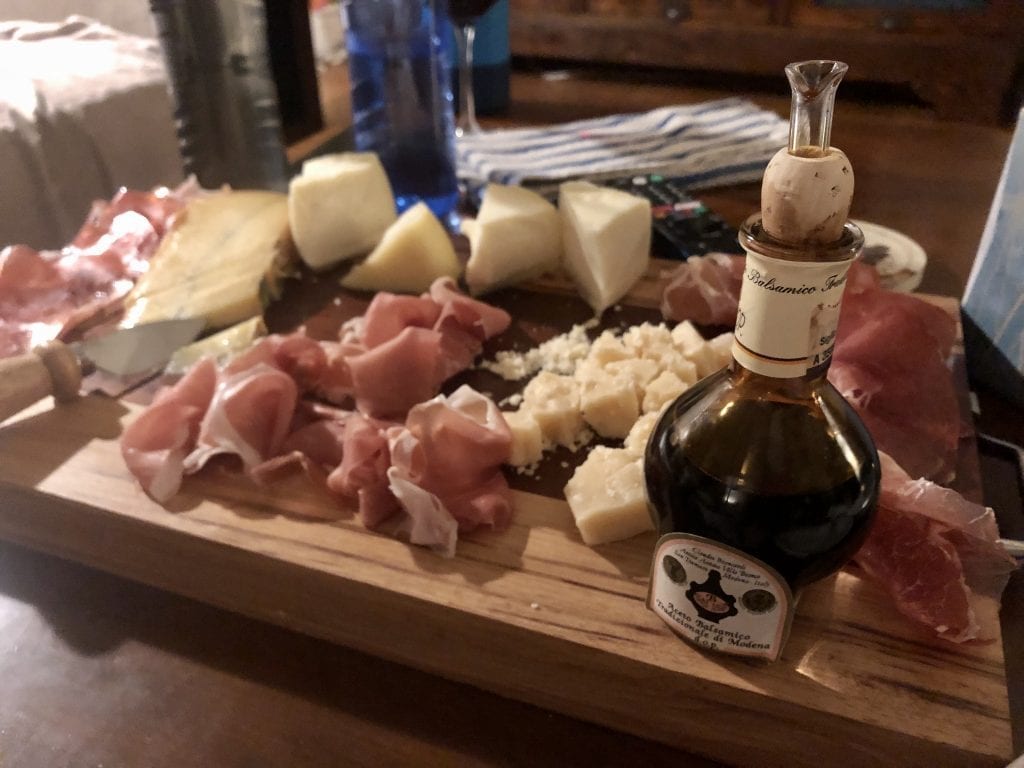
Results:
<point x="662" y="390"/>
<point x="607" y="496"/>
<point x="339" y="207"/>
<point x="554" y="401"/>
<point x="220" y="346"/>
<point x="527" y="440"/>
<point x="721" y="348"/>
<point x="516" y="236"/>
<point x="610" y="404"/>
<point x="606" y="239"/>
<point x="415" y="251"/>
<point x="636" y="441"/>
<point x="222" y="260"/>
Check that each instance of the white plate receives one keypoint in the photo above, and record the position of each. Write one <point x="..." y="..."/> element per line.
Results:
<point x="902" y="266"/>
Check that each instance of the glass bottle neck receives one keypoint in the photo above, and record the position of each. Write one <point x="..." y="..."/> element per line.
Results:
<point x="799" y="388"/>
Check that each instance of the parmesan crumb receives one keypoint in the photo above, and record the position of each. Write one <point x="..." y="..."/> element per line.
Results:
<point x="535" y="606"/>
<point x="557" y="355"/>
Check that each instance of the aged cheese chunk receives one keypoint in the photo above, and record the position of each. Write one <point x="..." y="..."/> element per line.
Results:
<point x="220" y="346"/>
<point x="222" y="260"/>
<point x="554" y="401"/>
<point x="606" y="237"/>
<point x="636" y="440"/>
<point x="607" y="497"/>
<point x="516" y="236"/>
<point x="674" y="361"/>
<point x="687" y="338"/>
<point x="607" y="348"/>
<point x="414" y="252"/>
<point x="339" y="207"/>
<point x="663" y="389"/>
<point x="721" y="347"/>
<point x="527" y="440"/>
<point x="610" y="404"/>
<point x="637" y="370"/>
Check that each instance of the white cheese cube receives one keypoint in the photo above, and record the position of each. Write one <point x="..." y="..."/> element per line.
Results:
<point x="607" y="348"/>
<point x="415" y="251"/>
<point x="637" y="370"/>
<point x="606" y="236"/>
<point x="527" y="440"/>
<point x="339" y="207"/>
<point x="687" y="338"/>
<point x="648" y="340"/>
<point x="636" y="440"/>
<point x="610" y="404"/>
<point x="721" y="347"/>
<point x="607" y="496"/>
<point x="675" y="362"/>
<point x="554" y="401"/>
<point x="663" y="389"/>
<point x="705" y="359"/>
<point x="516" y="236"/>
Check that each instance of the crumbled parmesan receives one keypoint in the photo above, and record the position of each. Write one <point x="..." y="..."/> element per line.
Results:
<point x="560" y="354"/>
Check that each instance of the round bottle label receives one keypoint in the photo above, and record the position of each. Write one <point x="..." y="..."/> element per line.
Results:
<point x="788" y="314"/>
<point x="719" y="598"/>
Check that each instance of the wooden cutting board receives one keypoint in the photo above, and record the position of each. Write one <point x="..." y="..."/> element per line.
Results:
<point x="530" y="613"/>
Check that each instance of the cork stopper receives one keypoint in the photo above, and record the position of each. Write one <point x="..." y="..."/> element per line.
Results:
<point x="808" y="186"/>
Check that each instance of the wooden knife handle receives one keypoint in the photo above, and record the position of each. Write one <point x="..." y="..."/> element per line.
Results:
<point x="50" y="370"/>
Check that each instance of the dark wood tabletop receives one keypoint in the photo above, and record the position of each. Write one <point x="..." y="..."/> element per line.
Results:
<point x="98" y="671"/>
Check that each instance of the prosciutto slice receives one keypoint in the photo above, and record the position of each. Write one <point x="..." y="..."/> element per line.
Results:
<point x="49" y="294"/>
<point x="155" y="445"/>
<point x="705" y="290"/>
<point x="936" y="554"/>
<point x="891" y="364"/>
<point x="446" y="468"/>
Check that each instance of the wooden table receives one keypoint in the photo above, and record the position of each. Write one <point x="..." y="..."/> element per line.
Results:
<point x="96" y="670"/>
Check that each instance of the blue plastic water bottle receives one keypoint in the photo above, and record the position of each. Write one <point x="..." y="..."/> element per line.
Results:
<point x="401" y="97"/>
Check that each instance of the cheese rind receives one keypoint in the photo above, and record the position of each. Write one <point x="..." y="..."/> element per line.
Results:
<point x="516" y="236"/>
<point x="606" y="237"/>
<point x="415" y="251"/>
<point x="222" y="260"/>
<point x="607" y="496"/>
<point x="339" y="207"/>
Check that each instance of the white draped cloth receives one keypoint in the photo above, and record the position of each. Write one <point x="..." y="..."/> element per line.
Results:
<point x="84" y="110"/>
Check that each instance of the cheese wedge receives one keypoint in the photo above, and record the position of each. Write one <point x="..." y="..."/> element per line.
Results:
<point x="606" y="236"/>
<point x="220" y="346"/>
<point x="607" y="497"/>
<point x="222" y="260"/>
<point x="516" y="236"/>
<point x="339" y="207"/>
<point x="415" y="251"/>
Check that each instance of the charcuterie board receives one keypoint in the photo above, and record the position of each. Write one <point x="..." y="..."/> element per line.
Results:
<point x="530" y="613"/>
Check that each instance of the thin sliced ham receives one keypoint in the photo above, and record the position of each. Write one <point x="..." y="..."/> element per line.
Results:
<point x="705" y="290"/>
<point x="392" y="377"/>
<point x="936" y="554"/>
<point x="447" y="460"/>
<point x="362" y="472"/>
<point x="51" y="294"/>
<point x="155" y="445"/>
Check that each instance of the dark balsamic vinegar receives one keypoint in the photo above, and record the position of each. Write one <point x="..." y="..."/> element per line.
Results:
<point x="785" y="473"/>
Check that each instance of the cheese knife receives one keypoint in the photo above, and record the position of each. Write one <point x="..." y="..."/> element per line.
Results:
<point x="57" y="368"/>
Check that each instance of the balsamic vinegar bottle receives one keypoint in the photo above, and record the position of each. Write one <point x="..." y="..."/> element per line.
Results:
<point x="762" y="478"/>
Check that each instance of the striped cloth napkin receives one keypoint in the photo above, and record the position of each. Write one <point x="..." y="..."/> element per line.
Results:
<point x="717" y="142"/>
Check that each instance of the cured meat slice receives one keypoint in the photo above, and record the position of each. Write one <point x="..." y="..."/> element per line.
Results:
<point x="476" y="317"/>
<point x="362" y="473"/>
<point x="447" y="460"/>
<point x="389" y="314"/>
<point x="704" y="290"/>
<point x="248" y="416"/>
<point x="890" y="362"/>
<point x="936" y="554"/>
<point x="49" y="294"/>
<point x="155" y="445"/>
<point x="392" y="377"/>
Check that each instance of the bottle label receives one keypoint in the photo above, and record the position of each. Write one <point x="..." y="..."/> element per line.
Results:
<point x="788" y="314"/>
<point x="719" y="598"/>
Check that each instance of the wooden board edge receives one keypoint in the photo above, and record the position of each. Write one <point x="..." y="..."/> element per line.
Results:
<point x="683" y="712"/>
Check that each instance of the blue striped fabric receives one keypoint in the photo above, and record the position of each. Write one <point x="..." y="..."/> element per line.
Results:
<point x="716" y="142"/>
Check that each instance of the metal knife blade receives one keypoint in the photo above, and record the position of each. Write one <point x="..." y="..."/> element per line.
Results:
<point x="56" y="368"/>
<point x="142" y="348"/>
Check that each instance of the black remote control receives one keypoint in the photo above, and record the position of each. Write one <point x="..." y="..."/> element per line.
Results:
<point x="682" y="226"/>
